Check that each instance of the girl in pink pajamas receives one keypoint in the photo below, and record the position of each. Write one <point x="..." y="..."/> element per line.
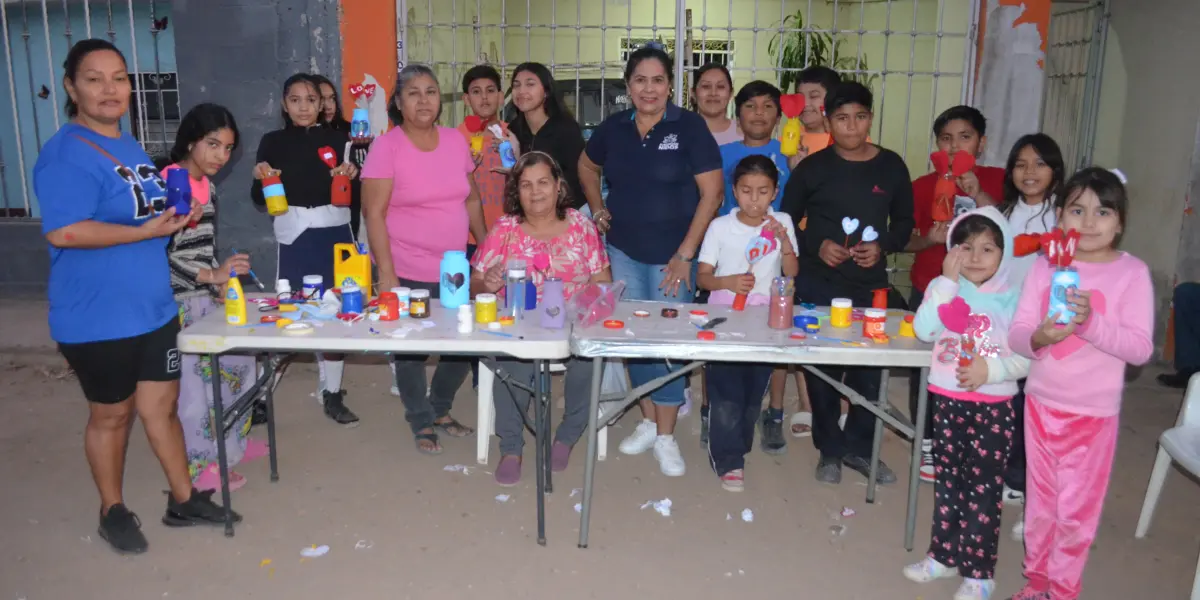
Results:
<point x="1075" y="382"/>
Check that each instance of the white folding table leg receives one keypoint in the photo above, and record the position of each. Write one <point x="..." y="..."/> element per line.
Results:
<point x="485" y="425"/>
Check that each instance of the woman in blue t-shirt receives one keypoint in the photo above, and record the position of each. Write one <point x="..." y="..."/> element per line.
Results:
<point x="111" y="307"/>
<point x="664" y="174"/>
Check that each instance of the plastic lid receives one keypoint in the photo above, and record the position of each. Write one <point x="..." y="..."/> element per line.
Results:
<point x="313" y="279"/>
<point x="707" y="336"/>
<point x="841" y="303"/>
<point x="401" y="291"/>
<point x="516" y="272"/>
<point x="494" y="325"/>
<point x="875" y="313"/>
<point x="464" y="309"/>
<point x="350" y="287"/>
<point x="420" y="294"/>
<point x="388" y="296"/>
<point x="485" y="299"/>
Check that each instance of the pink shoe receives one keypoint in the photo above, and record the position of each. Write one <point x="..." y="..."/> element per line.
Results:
<point x="560" y="456"/>
<point x="255" y="449"/>
<point x="508" y="472"/>
<point x="210" y="479"/>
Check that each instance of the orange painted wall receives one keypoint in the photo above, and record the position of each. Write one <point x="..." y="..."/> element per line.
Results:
<point x="367" y="48"/>
<point x="1036" y="12"/>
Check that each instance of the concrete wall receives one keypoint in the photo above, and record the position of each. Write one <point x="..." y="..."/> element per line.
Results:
<point x="260" y="43"/>
<point x="1150" y="106"/>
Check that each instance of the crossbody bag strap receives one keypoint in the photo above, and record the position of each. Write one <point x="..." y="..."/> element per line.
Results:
<point x="99" y="149"/>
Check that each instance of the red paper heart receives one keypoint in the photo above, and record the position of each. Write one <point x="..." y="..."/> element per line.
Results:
<point x="963" y="162"/>
<point x="791" y="105"/>
<point x="327" y="156"/>
<point x="369" y="90"/>
<point x="1060" y="246"/>
<point x="473" y="124"/>
<point x="955" y="315"/>
<point x="356" y="90"/>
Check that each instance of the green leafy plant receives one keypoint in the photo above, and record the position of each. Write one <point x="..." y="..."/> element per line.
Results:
<point x="796" y="50"/>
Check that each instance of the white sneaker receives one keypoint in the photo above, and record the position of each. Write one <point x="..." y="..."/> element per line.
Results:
<point x="642" y="438"/>
<point x="975" y="589"/>
<point x="1012" y="497"/>
<point x="928" y="570"/>
<point x="928" y="473"/>
<point x="670" y="462"/>
<point x="1018" y="530"/>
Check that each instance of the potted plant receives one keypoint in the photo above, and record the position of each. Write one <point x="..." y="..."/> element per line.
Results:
<point x="796" y="50"/>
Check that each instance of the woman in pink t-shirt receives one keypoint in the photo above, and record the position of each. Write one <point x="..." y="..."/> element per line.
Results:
<point x="538" y="221"/>
<point x="419" y="201"/>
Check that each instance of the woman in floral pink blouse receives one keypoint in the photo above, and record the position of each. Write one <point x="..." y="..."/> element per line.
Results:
<point x="538" y="221"/>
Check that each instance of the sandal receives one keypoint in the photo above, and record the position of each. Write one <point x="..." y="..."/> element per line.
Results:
<point x="801" y="424"/>
<point x="433" y="449"/>
<point x="453" y="428"/>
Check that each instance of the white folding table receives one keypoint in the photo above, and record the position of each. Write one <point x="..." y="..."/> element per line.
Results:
<point x="436" y="335"/>
<point x="745" y="337"/>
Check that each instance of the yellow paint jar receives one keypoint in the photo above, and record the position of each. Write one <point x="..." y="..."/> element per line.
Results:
<point x="485" y="308"/>
<point x="906" y="327"/>
<point x="840" y="310"/>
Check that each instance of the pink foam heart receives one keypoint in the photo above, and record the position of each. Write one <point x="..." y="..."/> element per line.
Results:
<point x="955" y="315"/>
<point x="1073" y="342"/>
<point x="541" y="262"/>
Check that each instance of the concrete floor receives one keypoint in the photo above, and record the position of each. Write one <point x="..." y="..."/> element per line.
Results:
<point x="429" y="533"/>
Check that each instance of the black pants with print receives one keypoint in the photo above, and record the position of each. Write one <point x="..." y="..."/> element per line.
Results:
<point x="735" y="397"/>
<point x="971" y="441"/>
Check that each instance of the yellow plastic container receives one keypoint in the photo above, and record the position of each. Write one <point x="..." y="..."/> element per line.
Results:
<point x="349" y="262"/>
<point x="477" y="144"/>
<point x="789" y="138"/>
<point x="235" y="301"/>
<point x="841" y="312"/>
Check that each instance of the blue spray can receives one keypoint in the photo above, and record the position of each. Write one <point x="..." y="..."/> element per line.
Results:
<point x="507" y="157"/>
<point x="179" y="191"/>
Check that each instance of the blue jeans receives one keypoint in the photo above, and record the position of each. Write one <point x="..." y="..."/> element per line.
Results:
<point x="641" y="283"/>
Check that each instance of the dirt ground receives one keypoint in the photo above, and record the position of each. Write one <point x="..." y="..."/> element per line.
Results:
<point x="424" y="532"/>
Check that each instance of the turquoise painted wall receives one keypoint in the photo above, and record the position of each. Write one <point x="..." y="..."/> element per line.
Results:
<point x="36" y="115"/>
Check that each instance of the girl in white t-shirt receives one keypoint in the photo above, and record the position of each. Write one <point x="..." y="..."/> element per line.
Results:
<point x="1034" y="175"/>
<point x="1032" y="178"/>
<point x="735" y="390"/>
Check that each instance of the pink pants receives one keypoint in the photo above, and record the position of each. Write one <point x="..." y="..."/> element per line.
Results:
<point x="1069" y="461"/>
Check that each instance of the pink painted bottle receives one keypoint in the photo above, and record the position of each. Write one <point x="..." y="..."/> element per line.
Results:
<point x="782" y="303"/>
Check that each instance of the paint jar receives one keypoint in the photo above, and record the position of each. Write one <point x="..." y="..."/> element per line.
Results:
<point x="879" y="298"/>
<point x="808" y="323"/>
<point x="1065" y="279"/>
<point x="402" y="297"/>
<point x="485" y="308"/>
<point x="553" y="309"/>
<point x="283" y="289"/>
<point x="313" y="288"/>
<point x="875" y="322"/>
<point x="418" y="305"/>
<point x="352" y="298"/>
<point x="389" y="306"/>
<point x="782" y="307"/>
<point x="465" y="319"/>
<point x="840" y="310"/>
<point x="906" y="327"/>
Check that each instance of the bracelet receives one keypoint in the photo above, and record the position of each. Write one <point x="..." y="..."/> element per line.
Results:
<point x="680" y="256"/>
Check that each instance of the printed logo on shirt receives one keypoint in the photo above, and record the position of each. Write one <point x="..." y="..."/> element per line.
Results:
<point x="877" y="190"/>
<point x="669" y="142"/>
<point x="147" y="187"/>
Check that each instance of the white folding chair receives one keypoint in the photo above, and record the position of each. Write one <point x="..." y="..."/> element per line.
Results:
<point x="486" y="426"/>
<point x="1180" y="444"/>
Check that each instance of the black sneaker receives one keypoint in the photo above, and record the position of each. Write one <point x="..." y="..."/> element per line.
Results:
<point x="258" y="415"/>
<point x="198" y="510"/>
<point x="704" y="426"/>
<point x="829" y="470"/>
<point x="772" y="441"/>
<point x="863" y="467"/>
<point x="335" y="408"/>
<point x="1177" y="380"/>
<point x="122" y="530"/>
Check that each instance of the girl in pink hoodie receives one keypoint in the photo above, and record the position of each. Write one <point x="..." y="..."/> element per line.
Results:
<point x="1073" y="393"/>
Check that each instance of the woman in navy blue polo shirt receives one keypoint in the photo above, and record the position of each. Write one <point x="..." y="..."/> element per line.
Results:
<point x="665" y="185"/>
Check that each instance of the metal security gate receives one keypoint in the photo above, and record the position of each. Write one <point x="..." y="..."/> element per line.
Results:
<point x="1074" y="62"/>
<point x="37" y="35"/>
<point x="912" y="53"/>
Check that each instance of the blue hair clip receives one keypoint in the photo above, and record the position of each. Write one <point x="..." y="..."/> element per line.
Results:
<point x="655" y="45"/>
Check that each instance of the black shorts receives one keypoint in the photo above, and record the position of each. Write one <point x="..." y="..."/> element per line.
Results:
<point x="109" y="371"/>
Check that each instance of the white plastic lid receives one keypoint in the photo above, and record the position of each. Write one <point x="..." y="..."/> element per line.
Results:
<point x="419" y="294"/>
<point x="516" y="273"/>
<point x="485" y="299"/>
<point x="494" y="325"/>
<point x="283" y="286"/>
<point x="464" y="309"/>
<point x="841" y="303"/>
<point x="401" y="291"/>
<point x="313" y="280"/>
<point x="875" y="313"/>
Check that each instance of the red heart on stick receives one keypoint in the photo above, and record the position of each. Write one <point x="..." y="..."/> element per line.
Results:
<point x="356" y="90"/>
<point x="791" y="105"/>
<point x="369" y="90"/>
<point x="328" y="157"/>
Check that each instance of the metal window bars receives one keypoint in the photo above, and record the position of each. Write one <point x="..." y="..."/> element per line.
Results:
<point x="36" y="36"/>
<point x="1074" y="63"/>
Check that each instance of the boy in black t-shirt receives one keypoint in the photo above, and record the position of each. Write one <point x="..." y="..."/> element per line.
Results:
<point x="869" y="188"/>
